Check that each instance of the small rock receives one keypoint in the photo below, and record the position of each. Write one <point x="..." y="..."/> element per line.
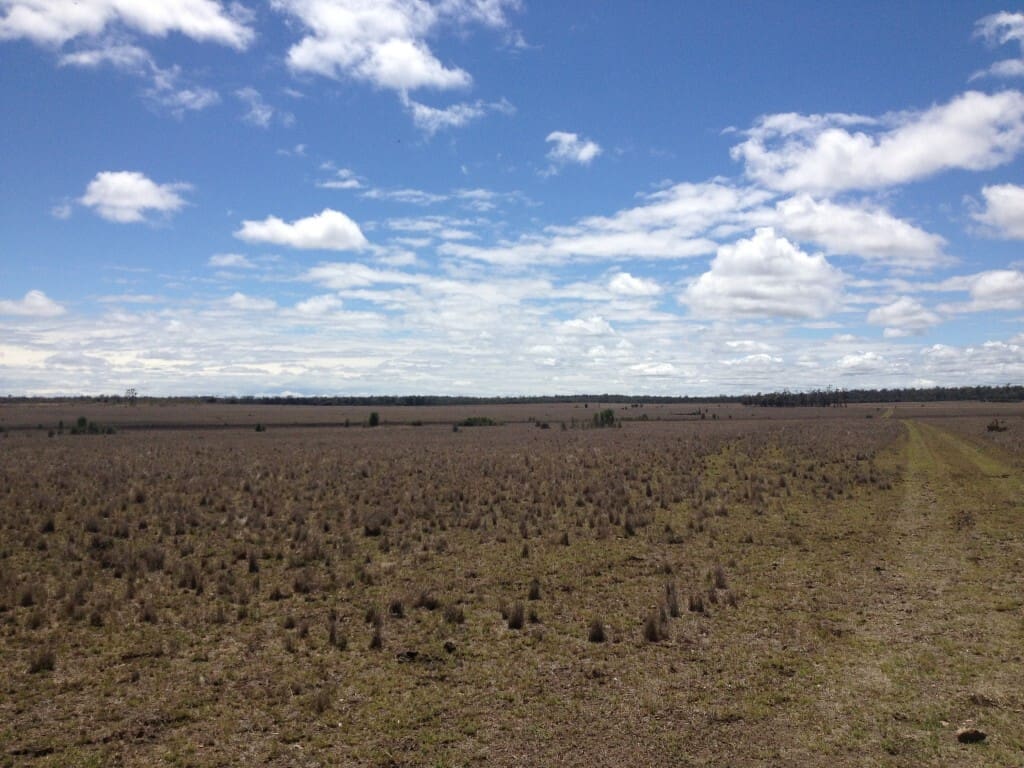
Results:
<point x="970" y="735"/>
<point x="449" y="646"/>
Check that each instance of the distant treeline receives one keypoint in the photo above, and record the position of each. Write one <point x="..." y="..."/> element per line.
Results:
<point x="819" y="397"/>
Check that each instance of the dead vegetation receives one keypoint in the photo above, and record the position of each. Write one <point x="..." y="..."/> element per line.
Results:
<point x="214" y="594"/>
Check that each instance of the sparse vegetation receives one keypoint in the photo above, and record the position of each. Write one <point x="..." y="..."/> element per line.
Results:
<point x="335" y="581"/>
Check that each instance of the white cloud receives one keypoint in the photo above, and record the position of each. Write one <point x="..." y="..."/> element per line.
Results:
<point x="570" y="148"/>
<point x="871" y="233"/>
<point x="999" y="29"/>
<point x="654" y="369"/>
<point x="165" y="90"/>
<point x="33" y="304"/>
<point x="230" y="261"/>
<point x="328" y="230"/>
<point x="998" y="289"/>
<point x="406" y="195"/>
<point x="903" y="317"/>
<point x="382" y="42"/>
<point x="127" y="196"/>
<point x="128" y="58"/>
<point x="765" y="276"/>
<point x="1004" y="210"/>
<point x="818" y="153"/>
<point x="316" y="306"/>
<point x="61" y="211"/>
<point x="862" y="363"/>
<point x="55" y="22"/>
<point x="340" y="276"/>
<point x="245" y="303"/>
<point x="595" y="325"/>
<point x="343" y="179"/>
<point x="259" y="112"/>
<point x="624" y="284"/>
<point x="430" y="120"/>
<point x="671" y="223"/>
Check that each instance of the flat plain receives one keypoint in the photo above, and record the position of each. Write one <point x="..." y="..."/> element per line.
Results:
<point x="511" y="585"/>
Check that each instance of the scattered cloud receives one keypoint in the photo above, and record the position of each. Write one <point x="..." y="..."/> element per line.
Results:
<point x="230" y="261"/>
<point x="570" y="148"/>
<point x="624" y="284"/>
<point x="903" y="317"/>
<point x="430" y="120"/>
<point x="1004" y="210"/>
<point x="383" y="43"/>
<point x="405" y="195"/>
<point x="245" y="303"/>
<point x="259" y="113"/>
<point x="865" y="231"/>
<point x="1000" y="29"/>
<point x="55" y="22"/>
<point x="997" y="289"/>
<point x="595" y="325"/>
<point x="343" y="179"/>
<point x="328" y="230"/>
<point x="165" y="90"/>
<point x="818" y="153"/>
<point x="33" y="304"/>
<point x="316" y="306"/>
<point x="765" y="276"/>
<point x="127" y="196"/>
<point x="672" y="223"/>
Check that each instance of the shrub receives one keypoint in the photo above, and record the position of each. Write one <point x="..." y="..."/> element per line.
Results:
<point x="656" y="627"/>
<point x="516" y="616"/>
<point x="534" y="593"/>
<point x="605" y="418"/>
<point x="43" y="660"/>
<point x="672" y="600"/>
<point x="596" y="633"/>
<point x="374" y="419"/>
<point x="454" y="614"/>
<point x="428" y="601"/>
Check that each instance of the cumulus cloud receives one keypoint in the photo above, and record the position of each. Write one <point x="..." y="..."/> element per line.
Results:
<point x="869" y="232"/>
<point x="570" y="148"/>
<point x="316" y="306"/>
<point x="245" y="303"/>
<point x="998" y="289"/>
<point x="819" y="153"/>
<point x="127" y="196"/>
<point x="383" y="42"/>
<point x="328" y="230"/>
<point x="595" y="325"/>
<point x="766" y="276"/>
<point x="1004" y="210"/>
<point x="33" y="304"/>
<point x="55" y="22"/>
<point x="624" y="284"/>
<point x="903" y="317"/>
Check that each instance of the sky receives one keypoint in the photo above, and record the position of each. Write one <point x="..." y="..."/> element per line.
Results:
<point x="509" y="197"/>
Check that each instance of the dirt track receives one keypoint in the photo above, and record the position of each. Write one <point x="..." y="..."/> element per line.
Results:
<point x="939" y="634"/>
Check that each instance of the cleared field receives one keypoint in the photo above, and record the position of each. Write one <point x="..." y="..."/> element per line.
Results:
<point x="814" y="588"/>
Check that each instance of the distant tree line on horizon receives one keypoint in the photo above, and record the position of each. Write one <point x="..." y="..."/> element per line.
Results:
<point x="829" y="397"/>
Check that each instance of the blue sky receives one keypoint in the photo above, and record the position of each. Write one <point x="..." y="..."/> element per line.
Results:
<point x="509" y="197"/>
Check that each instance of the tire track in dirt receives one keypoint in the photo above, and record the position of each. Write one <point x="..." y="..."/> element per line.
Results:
<point x="940" y="629"/>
